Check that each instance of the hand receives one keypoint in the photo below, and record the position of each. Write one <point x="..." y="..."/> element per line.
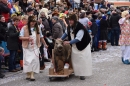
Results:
<point x="59" y="39"/>
<point x="30" y="39"/>
<point x="46" y="46"/>
<point x="66" y="42"/>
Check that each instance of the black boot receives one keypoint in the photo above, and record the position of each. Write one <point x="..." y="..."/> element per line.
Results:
<point x="1" y="75"/>
<point x="82" y="77"/>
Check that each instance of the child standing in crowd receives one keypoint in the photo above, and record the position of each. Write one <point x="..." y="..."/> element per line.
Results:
<point x="50" y="43"/>
<point x="94" y="29"/>
<point x="103" y="33"/>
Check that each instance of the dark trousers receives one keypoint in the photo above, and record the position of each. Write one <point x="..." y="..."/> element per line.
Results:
<point x="12" y="64"/>
<point x="115" y="32"/>
<point x="94" y="43"/>
<point x="0" y="62"/>
<point x="42" y="54"/>
<point x="109" y="35"/>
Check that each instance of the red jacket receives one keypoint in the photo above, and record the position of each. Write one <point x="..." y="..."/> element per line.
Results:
<point x="20" y="25"/>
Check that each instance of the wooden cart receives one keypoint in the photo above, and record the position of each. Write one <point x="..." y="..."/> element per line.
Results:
<point x="52" y="74"/>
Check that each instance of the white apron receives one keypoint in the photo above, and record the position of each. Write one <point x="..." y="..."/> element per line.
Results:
<point x="31" y="57"/>
<point x="81" y="60"/>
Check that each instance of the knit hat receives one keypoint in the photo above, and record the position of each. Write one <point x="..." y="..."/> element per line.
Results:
<point x="55" y="18"/>
<point x="72" y="17"/>
<point x="104" y="17"/>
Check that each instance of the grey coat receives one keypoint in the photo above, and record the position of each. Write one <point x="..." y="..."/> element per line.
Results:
<point x="57" y="30"/>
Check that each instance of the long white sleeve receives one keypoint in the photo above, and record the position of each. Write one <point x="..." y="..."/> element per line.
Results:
<point x="122" y="20"/>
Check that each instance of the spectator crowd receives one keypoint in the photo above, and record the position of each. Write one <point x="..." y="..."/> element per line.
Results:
<point x="18" y="18"/>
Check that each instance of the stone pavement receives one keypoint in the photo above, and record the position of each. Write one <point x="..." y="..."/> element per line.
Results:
<point x="107" y="69"/>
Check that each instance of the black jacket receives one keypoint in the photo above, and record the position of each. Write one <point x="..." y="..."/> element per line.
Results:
<point x="86" y="37"/>
<point x="114" y="20"/>
<point x="81" y="4"/>
<point x="94" y="27"/>
<point x="13" y="38"/>
<point x="23" y="5"/>
<point x="3" y="29"/>
<point x="103" y="24"/>
<point x="46" y="24"/>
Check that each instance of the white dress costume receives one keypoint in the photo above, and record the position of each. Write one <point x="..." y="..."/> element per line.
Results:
<point x="31" y="54"/>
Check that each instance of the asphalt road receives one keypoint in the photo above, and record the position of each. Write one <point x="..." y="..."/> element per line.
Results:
<point x="108" y="70"/>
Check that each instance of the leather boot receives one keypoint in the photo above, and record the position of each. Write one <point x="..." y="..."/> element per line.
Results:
<point x="104" y="46"/>
<point x="82" y="77"/>
<point x="28" y="76"/>
<point x="32" y="76"/>
<point x="99" y="45"/>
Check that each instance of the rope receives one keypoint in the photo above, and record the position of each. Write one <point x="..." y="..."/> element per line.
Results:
<point x="39" y="56"/>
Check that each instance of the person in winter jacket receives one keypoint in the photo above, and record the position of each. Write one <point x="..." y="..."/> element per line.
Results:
<point x="3" y="35"/>
<point x="57" y="30"/>
<point x="94" y="29"/>
<point x="13" y="44"/>
<point x="45" y="22"/>
<point x="103" y="33"/>
<point x="115" y="28"/>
